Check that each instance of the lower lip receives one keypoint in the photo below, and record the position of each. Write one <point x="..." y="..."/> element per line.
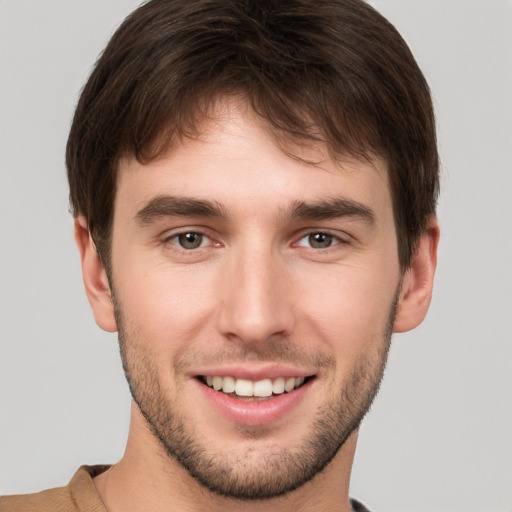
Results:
<point x="255" y="413"/>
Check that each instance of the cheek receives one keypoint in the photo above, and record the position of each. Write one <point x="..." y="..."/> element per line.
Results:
<point x="163" y="303"/>
<point x="349" y="308"/>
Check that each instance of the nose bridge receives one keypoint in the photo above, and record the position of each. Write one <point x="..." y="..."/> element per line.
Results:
<point x="255" y="303"/>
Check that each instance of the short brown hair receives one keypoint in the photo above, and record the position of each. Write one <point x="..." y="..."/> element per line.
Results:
<point x="329" y="70"/>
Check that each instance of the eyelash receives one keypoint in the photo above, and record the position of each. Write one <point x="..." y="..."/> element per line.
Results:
<point x="333" y="240"/>
<point x="330" y="238"/>
<point x="176" y="236"/>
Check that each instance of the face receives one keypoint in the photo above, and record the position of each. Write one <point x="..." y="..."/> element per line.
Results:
<point x="255" y="297"/>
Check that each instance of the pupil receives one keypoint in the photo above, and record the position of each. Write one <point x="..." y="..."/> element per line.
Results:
<point x="190" y="240"/>
<point x="320" y="240"/>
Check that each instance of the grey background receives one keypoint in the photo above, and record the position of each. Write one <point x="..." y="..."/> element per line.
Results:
<point x="439" y="437"/>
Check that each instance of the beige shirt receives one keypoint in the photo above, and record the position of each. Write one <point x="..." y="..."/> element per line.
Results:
<point x="79" y="495"/>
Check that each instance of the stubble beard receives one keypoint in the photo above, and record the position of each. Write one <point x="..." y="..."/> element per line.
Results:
<point x="251" y="476"/>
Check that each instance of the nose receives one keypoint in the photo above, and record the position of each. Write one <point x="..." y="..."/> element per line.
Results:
<point x="256" y="302"/>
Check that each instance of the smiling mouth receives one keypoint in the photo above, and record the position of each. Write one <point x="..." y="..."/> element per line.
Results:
<point x="244" y="389"/>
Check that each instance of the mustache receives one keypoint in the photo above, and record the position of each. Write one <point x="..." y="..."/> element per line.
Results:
<point x="276" y="352"/>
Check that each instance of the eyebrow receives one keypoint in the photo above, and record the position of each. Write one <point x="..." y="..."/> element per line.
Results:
<point x="331" y="208"/>
<point x="170" y="206"/>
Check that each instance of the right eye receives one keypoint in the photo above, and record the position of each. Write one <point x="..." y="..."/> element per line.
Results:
<point x="189" y="240"/>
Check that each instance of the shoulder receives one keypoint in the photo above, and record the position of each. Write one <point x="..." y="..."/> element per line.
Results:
<point x="358" y="507"/>
<point x="78" y="496"/>
<point x="58" y="499"/>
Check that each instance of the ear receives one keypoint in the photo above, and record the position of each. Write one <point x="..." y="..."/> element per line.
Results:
<point x="418" y="281"/>
<point x="95" y="278"/>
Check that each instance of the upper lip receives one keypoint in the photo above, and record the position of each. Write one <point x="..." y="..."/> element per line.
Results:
<point x="254" y="373"/>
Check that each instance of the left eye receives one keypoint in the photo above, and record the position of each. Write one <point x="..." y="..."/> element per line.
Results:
<point x="189" y="240"/>
<point x="318" y="240"/>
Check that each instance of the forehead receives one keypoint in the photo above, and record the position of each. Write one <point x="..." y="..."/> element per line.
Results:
<point x="236" y="155"/>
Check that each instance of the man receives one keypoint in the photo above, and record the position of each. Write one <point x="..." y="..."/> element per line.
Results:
<point x="254" y="187"/>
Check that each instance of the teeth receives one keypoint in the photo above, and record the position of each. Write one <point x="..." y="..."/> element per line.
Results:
<point x="244" y="387"/>
<point x="278" y="386"/>
<point x="247" y="388"/>
<point x="288" y="385"/>
<point x="228" y="385"/>
<point x="263" y="388"/>
<point x="217" y="383"/>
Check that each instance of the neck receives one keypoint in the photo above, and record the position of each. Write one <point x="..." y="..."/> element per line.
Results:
<point x="148" y="479"/>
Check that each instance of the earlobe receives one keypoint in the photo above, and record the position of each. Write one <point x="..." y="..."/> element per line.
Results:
<point x="418" y="281"/>
<point x="95" y="278"/>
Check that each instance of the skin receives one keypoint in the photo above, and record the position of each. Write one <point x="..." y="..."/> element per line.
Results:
<point x="256" y="296"/>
